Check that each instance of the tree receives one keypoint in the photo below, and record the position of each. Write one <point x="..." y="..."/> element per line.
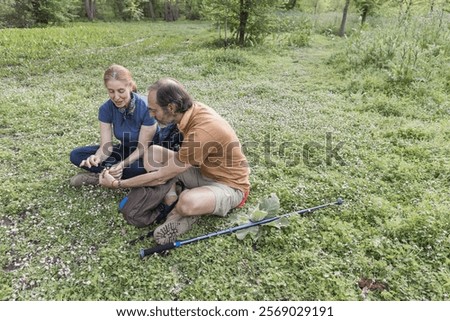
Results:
<point x="133" y="9"/>
<point x="89" y="6"/>
<point x="149" y="9"/>
<point x="344" y="19"/>
<point x="127" y="9"/>
<point x="244" y="8"/>
<point x="366" y="7"/>
<point x="171" y="10"/>
<point x="248" y="20"/>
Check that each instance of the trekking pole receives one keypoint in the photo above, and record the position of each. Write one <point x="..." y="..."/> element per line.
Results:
<point x="176" y="244"/>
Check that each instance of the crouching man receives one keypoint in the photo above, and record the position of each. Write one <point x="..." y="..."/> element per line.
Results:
<point x="210" y="162"/>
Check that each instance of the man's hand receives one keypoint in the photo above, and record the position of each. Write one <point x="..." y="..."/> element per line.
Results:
<point x="116" y="170"/>
<point x="107" y="180"/>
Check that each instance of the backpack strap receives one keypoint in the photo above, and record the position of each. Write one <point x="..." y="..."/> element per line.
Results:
<point x="140" y="238"/>
<point x="164" y="210"/>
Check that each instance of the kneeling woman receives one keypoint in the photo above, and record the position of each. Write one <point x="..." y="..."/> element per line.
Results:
<point x="126" y="115"/>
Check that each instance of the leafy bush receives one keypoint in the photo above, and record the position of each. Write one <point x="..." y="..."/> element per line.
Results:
<point x="300" y="38"/>
<point x="248" y="21"/>
<point x="27" y="13"/>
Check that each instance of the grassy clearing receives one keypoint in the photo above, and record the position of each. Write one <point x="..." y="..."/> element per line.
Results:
<point x="287" y="105"/>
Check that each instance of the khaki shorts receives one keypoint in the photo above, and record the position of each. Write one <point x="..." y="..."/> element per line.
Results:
<point x="227" y="197"/>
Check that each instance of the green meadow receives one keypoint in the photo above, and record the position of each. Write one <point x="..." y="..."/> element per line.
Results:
<point x="365" y="118"/>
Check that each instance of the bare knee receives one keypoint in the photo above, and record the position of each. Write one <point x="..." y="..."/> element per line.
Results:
<point x="186" y="205"/>
<point x="197" y="201"/>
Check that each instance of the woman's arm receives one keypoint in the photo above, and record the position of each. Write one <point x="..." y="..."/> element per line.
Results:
<point x="105" y="149"/>
<point x="146" y="134"/>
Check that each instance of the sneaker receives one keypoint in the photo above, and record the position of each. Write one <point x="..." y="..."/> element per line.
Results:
<point x="85" y="179"/>
<point x="173" y="227"/>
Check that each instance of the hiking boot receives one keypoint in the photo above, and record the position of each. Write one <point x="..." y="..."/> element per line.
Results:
<point x="85" y="179"/>
<point x="174" y="226"/>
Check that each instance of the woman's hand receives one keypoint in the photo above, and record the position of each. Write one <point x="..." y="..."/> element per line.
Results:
<point x="92" y="160"/>
<point x="116" y="170"/>
<point x="107" y="180"/>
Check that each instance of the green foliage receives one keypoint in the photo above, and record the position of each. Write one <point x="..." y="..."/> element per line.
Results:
<point x="248" y="21"/>
<point x="132" y="10"/>
<point x="28" y="13"/>
<point x="293" y="30"/>
<point x="121" y="9"/>
<point x="193" y="9"/>
<point x="367" y="7"/>
<point x="408" y="58"/>
<point x="301" y="37"/>
<point x="266" y="208"/>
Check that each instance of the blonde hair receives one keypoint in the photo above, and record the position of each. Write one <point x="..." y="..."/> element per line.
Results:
<point x="118" y="72"/>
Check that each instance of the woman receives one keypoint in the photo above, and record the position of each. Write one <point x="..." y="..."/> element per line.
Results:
<point x="126" y="115"/>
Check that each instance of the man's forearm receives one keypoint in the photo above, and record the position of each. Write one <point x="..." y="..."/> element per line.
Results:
<point x="133" y="157"/>
<point x="149" y="179"/>
<point x="157" y="177"/>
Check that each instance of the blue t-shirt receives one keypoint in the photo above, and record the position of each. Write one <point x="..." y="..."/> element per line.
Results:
<point x="127" y="124"/>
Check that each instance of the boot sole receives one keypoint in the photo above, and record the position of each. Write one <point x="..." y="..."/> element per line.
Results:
<point x="170" y="231"/>
<point x="167" y="233"/>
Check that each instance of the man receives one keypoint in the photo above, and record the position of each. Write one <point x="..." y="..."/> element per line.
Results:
<point x="210" y="161"/>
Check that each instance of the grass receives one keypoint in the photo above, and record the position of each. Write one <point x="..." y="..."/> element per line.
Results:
<point x="291" y="107"/>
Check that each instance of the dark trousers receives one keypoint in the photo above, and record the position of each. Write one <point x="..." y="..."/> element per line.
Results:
<point x="119" y="153"/>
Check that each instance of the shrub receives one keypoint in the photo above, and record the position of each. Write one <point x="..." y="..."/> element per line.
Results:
<point x="27" y="13"/>
<point x="302" y="36"/>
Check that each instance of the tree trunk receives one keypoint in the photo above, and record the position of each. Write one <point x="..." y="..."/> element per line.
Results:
<point x="151" y="9"/>
<point x="168" y="11"/>
<point x="316" y="7"/>
<point x="344" y="19"/>
<point x="177" y="9"/>
<point x="243" y="18"/>
<point x="171" y="12"/>
<point x="225" y="31"/>
<point x="89" y="6"/>
<point x="364" y="14"/>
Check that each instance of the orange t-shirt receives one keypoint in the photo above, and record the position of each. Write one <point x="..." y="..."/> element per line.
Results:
<point x="212" y="145"/>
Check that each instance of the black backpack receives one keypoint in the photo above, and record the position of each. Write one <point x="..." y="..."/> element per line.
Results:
<point x="170" y="137"/>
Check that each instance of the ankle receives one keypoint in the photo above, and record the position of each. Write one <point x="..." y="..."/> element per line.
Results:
<point x="171" y="195"/>
<point x="170" y="199"/>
